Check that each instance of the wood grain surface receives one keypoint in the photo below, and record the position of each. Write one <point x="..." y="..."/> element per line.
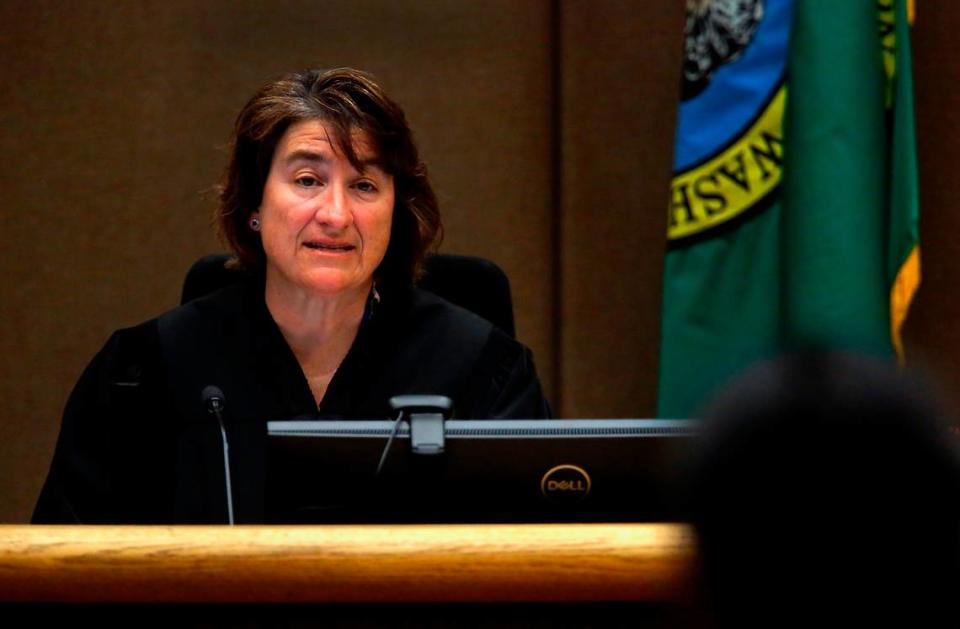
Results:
<point x="366" y="563"/>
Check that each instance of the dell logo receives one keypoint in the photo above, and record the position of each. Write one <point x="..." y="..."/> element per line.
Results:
<point x="565" y="484"/>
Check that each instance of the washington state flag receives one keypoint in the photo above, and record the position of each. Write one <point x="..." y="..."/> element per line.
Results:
<point x="793" y="215"/>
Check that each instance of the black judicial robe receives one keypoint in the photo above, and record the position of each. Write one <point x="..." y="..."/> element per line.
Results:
<point x="137" y="444"/>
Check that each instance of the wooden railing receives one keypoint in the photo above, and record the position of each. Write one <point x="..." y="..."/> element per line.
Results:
<point x="366" y="563"/>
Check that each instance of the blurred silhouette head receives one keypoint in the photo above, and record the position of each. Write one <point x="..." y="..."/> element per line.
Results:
<point x="826" y="482"/>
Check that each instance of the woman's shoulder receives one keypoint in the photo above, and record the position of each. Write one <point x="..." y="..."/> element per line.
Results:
<point x="443" y="324"/>
<point x="132" y="350"/>
<point x="434" y="310"/>
<point x="494" y="373"/>
<point x="230" y="302"/>
<point x="420" y="315"/>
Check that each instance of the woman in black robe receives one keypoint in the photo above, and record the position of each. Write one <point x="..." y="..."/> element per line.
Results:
<point x="329" y="212"/>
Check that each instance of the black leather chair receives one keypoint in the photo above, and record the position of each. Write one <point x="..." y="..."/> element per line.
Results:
<point x="476" y="284"/>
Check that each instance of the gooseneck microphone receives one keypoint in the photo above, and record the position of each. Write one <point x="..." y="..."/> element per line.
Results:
<point x="386" y="448"/>
<point x="212" y="398"/>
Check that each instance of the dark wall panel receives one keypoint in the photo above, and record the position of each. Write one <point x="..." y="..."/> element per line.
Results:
<point x="621" y="69"/>
<point x="932" y="335"/>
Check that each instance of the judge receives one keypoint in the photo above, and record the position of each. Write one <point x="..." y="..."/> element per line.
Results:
<point x="328" y="208"/>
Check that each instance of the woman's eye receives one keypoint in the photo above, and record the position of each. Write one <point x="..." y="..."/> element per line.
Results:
<point x="366" y="186"/>
<point x="307" y="181"/>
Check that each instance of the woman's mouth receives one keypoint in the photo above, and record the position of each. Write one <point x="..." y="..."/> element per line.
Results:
<point x="335" y="247"/>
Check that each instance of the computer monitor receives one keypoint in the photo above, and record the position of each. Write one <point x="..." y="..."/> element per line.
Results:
<point x="481" y="471"/>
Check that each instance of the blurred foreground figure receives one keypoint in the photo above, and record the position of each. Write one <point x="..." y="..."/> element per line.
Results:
<point x="827" y="490"/>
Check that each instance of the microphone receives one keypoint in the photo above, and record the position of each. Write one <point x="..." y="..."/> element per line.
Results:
<point x="386" y="448"/>
<point x="212" y="398"/>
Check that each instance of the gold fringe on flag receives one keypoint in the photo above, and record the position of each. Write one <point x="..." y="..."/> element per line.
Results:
<point x="901" y="295"/>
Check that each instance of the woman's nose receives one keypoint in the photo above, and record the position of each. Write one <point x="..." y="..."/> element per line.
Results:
<point x="333" y="208"/>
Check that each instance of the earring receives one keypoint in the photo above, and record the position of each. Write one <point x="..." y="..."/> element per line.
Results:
<point x="255" y="223"/>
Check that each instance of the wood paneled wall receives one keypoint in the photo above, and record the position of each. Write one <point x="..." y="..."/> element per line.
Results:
<point x="932" y="334"/>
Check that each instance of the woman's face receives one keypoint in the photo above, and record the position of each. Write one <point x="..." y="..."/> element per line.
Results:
<point x="325" y="226"/>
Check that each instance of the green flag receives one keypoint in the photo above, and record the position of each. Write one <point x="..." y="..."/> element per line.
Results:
<point x="794" y="202"/>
